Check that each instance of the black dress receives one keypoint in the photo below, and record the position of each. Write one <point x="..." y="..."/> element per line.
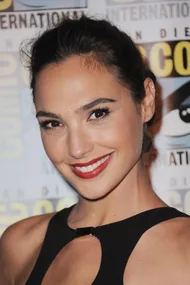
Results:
<point x="117" y="242"/>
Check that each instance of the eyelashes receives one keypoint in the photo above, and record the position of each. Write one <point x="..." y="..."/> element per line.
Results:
<point x="49" y="124"/>
<point x="95" y="115"/>
<point x="99" y="113"/>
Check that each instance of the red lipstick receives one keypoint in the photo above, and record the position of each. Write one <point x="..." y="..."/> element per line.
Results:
<point x="93" y="173"/>
<point x="91" y="161"/>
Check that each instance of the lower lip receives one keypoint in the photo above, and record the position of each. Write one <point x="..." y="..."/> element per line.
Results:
<point x="94" y="173"/>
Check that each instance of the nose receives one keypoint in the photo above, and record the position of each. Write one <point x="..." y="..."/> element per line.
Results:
<point x="79" y="143"/>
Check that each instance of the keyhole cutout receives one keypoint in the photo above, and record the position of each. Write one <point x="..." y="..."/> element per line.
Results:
<point x="77" y="263"/>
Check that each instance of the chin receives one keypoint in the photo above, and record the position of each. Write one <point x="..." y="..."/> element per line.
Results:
<point x="94" y="196"/>
<point x="96" y="191"/>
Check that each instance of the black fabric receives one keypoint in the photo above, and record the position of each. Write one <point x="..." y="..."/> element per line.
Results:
<point x="117" y="242"/>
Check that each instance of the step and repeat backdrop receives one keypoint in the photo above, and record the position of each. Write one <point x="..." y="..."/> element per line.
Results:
<point x="29" y="184"/>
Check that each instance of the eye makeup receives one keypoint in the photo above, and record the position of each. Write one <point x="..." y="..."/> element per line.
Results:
<point x="94" y="115"/>
<point x="49" y="124"/>
<point x="99" y="113"/>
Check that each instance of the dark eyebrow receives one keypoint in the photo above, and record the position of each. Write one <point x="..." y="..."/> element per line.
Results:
<point x="47" y="114"/>
<point x="96" y="102"/>
<point x="85" y="107"/>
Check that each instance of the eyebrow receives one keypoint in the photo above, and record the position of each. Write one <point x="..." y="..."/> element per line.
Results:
<point x="85" y="107"/>
<point x="96" y="102"/>
<point x="47" y="114"/>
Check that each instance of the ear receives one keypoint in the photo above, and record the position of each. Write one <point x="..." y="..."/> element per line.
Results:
<point x="148" y="103"/>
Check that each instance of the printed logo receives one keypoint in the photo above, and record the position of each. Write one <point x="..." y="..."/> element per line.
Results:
<point x="5" y="5"/>
<point x="26" y="5"/>
<point x="176" y="122"/>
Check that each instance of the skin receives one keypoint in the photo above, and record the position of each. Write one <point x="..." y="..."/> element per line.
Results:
<point x="162" y="255"/>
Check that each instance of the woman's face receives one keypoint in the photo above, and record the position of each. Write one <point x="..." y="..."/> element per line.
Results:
<point x="90" y="126"/>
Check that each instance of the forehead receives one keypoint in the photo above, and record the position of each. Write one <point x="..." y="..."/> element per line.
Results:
<point x="75" y="81"/>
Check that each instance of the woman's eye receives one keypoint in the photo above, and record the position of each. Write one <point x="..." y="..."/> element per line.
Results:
<point x="98" y="114"/>
<point x="50" y="124"/>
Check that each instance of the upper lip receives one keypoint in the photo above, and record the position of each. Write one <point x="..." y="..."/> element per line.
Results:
<point x="90" y="162"/>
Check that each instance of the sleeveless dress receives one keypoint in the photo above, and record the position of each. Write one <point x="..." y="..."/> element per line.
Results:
<point x="117" y="242"/>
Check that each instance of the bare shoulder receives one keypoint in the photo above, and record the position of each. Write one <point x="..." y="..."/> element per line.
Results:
<point x="175" y="251"/>
<point x="182" y="237"/>
<point x="171" y="247"/>
<point x="177" y="230"/>
<point x="163" y="254"/>
<point x="173" y="233"/>
<point x="19" y="245"/>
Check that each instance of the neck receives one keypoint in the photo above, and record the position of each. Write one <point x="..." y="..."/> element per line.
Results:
<point x="132" y="196"/>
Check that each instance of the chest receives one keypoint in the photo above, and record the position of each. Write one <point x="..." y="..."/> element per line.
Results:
<point x="77" y="263"/>
<point x="80" y="263"/>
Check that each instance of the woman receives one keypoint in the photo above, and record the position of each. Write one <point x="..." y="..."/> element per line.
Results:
<point x="94" y="99"/>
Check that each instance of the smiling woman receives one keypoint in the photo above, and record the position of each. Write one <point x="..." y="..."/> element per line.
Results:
<point x="94" y="99"/>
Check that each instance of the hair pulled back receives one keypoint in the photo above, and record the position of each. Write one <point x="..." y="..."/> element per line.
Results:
<point x="104" y="42"/>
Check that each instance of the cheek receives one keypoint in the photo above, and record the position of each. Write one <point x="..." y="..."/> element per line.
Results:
<point x="54" y="146"/>
<point x="126" y="131"/>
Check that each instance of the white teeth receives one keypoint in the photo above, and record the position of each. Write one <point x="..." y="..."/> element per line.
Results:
<point x="93" y="166"/>
<point x="89" y="168"/>
<point x="85" y="170"/>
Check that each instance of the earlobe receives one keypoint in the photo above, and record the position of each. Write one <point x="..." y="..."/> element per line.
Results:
<point x="148" y="104"/>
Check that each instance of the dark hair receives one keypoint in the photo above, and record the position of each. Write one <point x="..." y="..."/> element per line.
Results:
<point x="104" y="42"/>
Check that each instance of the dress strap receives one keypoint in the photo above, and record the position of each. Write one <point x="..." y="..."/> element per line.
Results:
<point x="119" y="240"/>
<point x="57" y="236"/>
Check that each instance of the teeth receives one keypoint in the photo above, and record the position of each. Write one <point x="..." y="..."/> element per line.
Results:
<point x="93" y="166"/>
<point x="89" y="168"/>
<point x="85" y="169"/>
